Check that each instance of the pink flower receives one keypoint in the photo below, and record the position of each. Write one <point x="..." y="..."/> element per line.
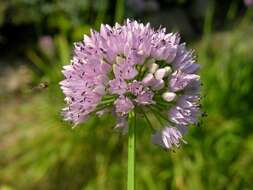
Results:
<point x="131" y="66"/>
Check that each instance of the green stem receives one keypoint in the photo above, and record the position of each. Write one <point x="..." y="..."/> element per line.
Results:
<point x="107" y="101"/>
<point x="119" y="13"/>
<point x="131" y="151"/>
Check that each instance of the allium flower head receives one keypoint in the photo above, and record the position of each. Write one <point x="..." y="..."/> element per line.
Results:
<point x="134" y="67"/>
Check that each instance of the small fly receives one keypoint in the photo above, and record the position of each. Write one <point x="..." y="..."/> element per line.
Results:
<point x="41" y="86"/>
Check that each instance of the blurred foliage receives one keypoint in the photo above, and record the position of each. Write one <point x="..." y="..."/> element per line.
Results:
<point x="47" y="60"/>
<point x="70" y="18"/>
<point x="40" y="151"/>
<point x="75" y="17"/>
<point x="58" y="13"/>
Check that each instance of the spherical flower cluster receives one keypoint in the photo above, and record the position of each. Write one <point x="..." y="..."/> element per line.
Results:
<point x="133" y="67"/>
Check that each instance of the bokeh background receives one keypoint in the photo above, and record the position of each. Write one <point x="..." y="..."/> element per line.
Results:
<point x="40" y="151"/>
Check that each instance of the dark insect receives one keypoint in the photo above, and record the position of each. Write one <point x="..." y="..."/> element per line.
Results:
<point x="41" y="86"/>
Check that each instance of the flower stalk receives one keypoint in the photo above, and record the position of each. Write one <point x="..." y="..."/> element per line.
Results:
<point x="131" y="151"/>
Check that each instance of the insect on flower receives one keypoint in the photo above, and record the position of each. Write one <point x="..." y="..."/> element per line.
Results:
<point x="134" y="67"/>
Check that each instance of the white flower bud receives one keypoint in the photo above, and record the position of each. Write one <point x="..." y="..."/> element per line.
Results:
<point x="168" y="70"/>
<point x="160" y="73"/>
<point x="169" y="96"/>
<point x="153" y="67"/>
<point x="158" y="85"/>
<point x="163" y="72"/>
<point x="148" y="79"/>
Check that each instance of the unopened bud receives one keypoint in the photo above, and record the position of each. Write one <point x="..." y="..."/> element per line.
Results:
<point x="160" y="73"/>
<point x="163" y="72"/>
<point x="153" y="67"/>
<point x="168" y="70"/>
<point x="169" y="96"/>
<point x="158" y="85"/>
<point x="148" y="79"/>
